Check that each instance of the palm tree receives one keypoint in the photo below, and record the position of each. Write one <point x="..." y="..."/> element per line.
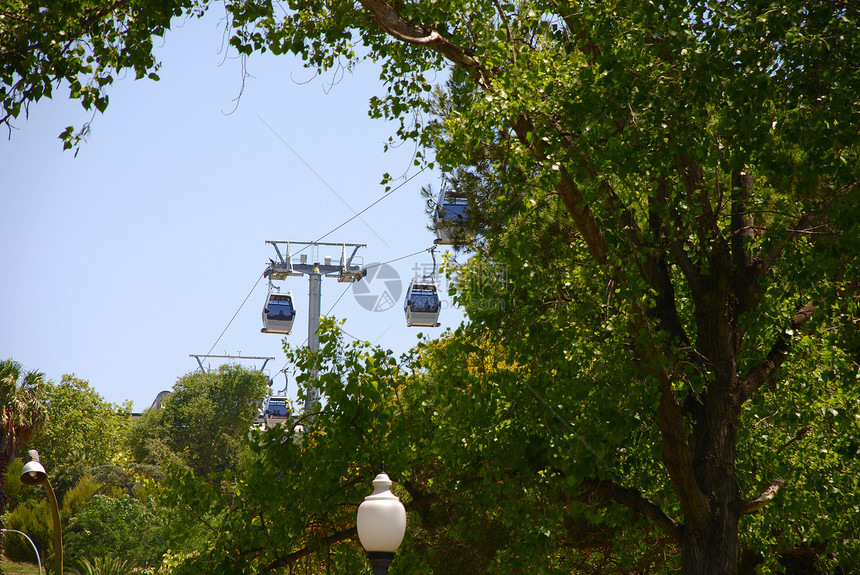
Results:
<point x="22" y="415"/>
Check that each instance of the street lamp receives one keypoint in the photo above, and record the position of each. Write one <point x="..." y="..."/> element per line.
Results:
<point x="381" y="524"/>
<point x="34" y="473"/>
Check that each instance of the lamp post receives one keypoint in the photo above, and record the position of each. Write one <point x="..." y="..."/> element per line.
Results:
<point x="34" y="473"/>
<point x="381" y="524"/>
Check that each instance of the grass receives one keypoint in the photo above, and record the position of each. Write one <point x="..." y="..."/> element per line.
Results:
<point x="12" y="568"/>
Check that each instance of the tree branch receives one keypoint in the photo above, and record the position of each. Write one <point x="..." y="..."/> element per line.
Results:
<point x="759" y="374"/>
<point x="804" y="224"/>
<point x="634" y="500"/>
<point x="675" y="243"/>
<point x="390" y="20"/>
<point x="753" y="505"/>
<point x="796" y="231"/>
<point x="289" y="559"/>
<point x="653" y="268"/>
<point x="677" y="454"/>
<point x="742" y="222"/>
<point x="570" y="194"/>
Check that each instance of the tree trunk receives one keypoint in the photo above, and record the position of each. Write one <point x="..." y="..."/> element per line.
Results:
<point x="711" y="549"/>
<point x="711" y="546"/>
<point x="710" y="542"/>
<point x="4" y="497"/>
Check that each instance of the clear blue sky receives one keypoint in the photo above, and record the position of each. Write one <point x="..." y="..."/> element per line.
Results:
<point x="120" y="262"/>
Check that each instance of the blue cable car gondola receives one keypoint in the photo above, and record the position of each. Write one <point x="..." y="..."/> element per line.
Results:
<point x="422" y="304"/>
<point x="277" y="406"/>
<point x="278" y="313"/>
<point x="449" y="215"/>
<point x="274" y="411"/>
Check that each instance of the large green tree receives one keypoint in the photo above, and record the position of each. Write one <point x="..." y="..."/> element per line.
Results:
<point x="201" y="424"/>
<point x="704" y="161"/>
<point x="505" y="470"/>
<point x="83" y="432"/>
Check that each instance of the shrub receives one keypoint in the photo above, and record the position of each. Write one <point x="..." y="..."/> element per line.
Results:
<point x="34" y="519"/>
<point x="77" y="498"/>
<point x="123" y="527"/>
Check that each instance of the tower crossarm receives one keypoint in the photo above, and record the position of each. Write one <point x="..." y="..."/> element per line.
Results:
<point x="300" y="258"/>
<point x="198" y="357"/>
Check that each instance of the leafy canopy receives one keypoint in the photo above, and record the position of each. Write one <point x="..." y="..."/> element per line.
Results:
<point x="202" y="422"/>
<point x="83" y="431"/>
<point x="79" y="45"/>
<point x="672" y="191"/>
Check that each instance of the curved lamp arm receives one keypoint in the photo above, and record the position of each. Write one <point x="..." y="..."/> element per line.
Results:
<point x="38" y="557"/>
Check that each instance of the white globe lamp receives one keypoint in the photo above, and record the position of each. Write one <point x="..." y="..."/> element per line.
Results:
<point x="381" y="524"/>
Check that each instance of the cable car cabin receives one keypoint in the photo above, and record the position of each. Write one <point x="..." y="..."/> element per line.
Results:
<point x="449" y="216"/>
<point x="276" y="412"/>
<point x="276" y="406"/>
<point x="278" y="313"/>
<point x="422" y="305"/>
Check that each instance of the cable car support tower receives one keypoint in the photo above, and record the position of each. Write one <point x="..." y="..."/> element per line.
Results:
<point x="302" y="258"/>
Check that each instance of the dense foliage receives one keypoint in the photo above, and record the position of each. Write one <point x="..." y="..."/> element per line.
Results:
<point x="469" y="458"/>
<point x="83" y="431"/>
<point x="108" y="501"/>
<point x="121" y="527"/>
<point x="202" y="422"/>
<point x="292" y="504"/>
<point x="690" y="173"/>
<point x="78" y="45"/>
<point x="32" y="518"/>
<point x="664" y="214"/>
